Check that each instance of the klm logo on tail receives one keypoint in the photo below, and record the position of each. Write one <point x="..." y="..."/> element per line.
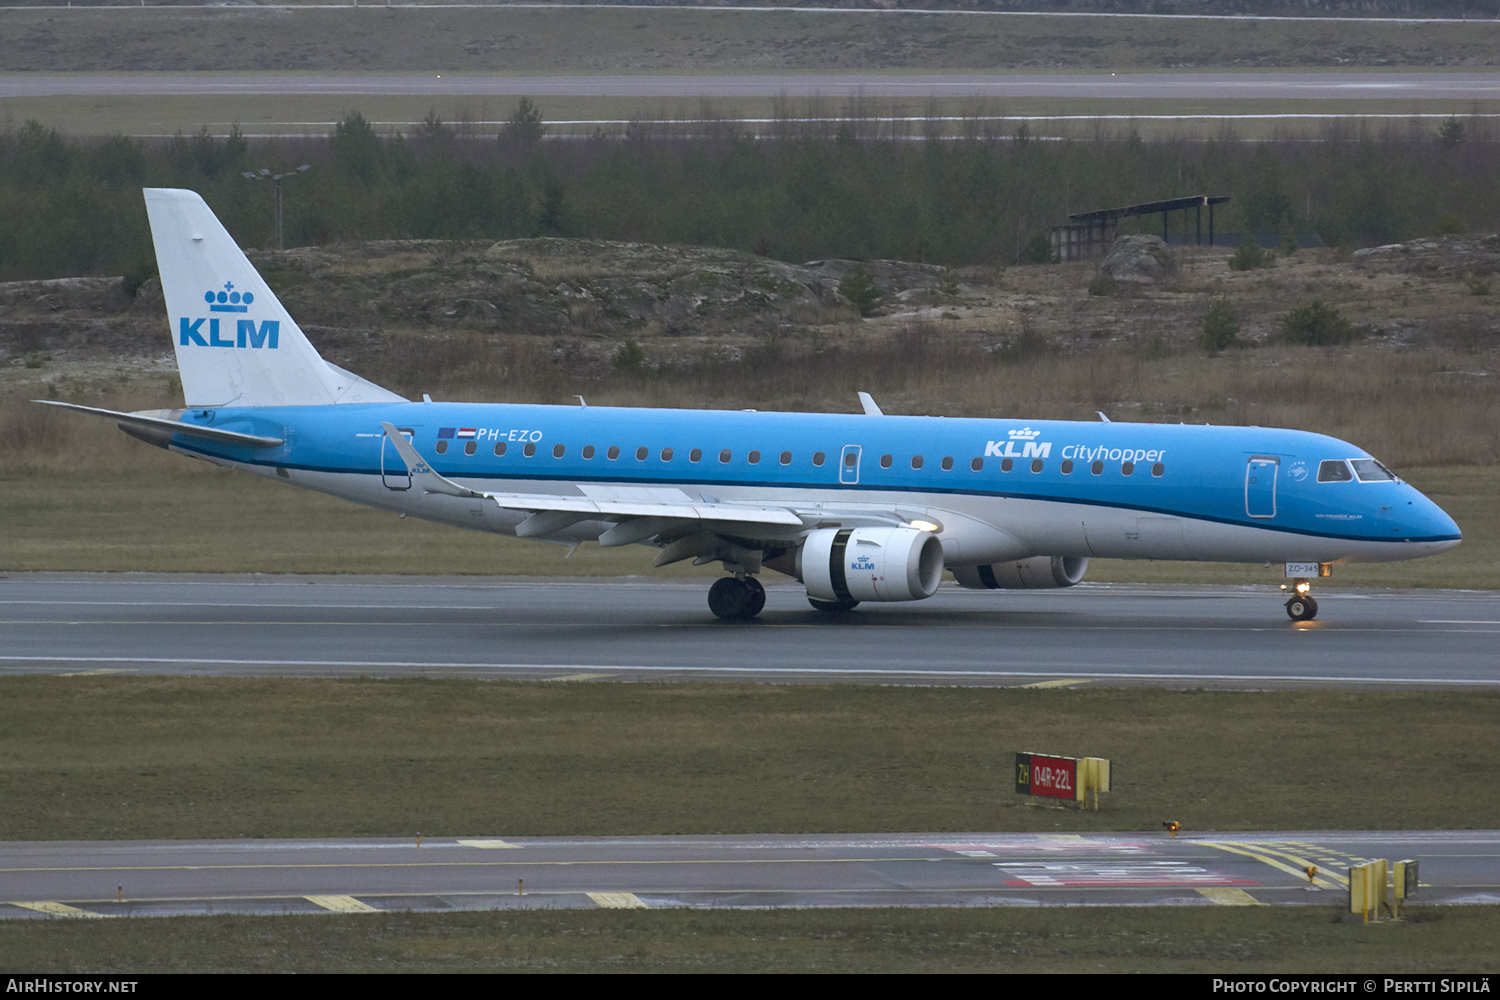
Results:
<point x="247" y="334"/>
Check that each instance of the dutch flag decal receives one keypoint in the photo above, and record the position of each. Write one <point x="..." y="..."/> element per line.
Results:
<point x="466" y="432"/>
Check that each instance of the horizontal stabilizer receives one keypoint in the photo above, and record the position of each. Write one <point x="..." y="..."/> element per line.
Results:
<point x="167" y="426"/>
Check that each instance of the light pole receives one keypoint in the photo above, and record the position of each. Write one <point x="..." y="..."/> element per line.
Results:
<point x="266" y="174"/>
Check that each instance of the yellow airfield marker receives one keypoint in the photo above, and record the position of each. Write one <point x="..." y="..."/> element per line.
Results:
<point x="617" y="900"/>
<point x="341" y="904"/>
<point x="579" y="677"/>
<point x="1065" y="682"/>
<point x="1228" y="896"/>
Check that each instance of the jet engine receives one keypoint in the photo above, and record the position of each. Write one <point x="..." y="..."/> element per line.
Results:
<point x="1036" y="573"/>
<point x="844" y="565"/>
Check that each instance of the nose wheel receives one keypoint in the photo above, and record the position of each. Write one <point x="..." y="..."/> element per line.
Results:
<point x="1301" y="607"/>
<point x="734" y="599"/>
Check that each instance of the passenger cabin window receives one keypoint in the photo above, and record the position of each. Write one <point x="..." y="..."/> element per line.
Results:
<point x="1334" y="471"/>
<point x="1127" y="468"/>
<point x="641" y="453"/>
<point x="666" y="454"/>
<point x="695" y="455"/>
<point x="1158" y="469"/>
<point x="947" y="463"/>
<point x="1097" y="468"/>
<point x="441" y="447"/>
<point x="977" y="464"/>
<point x="529" y="450"/>
<point x="1006" y="465"/>
<point x="1067" y="467"/>
<point x="724" y="455"/>
<point x="885" y="461"/>
<point x="786" y="458"/>
<point x="1370" y="471"/>
<point x="754" y="457"/>
<point x="588" y="451"/>
<point x="851" y="459"/>
<point x="613" y="453"/>
<point x="916" y="461"/>
<point x="500" y="449"/>
<point x="818" y="458"/>
<point x="470" y="447"/>
<point x="1036" y="465"/>
<point x="558" y="450"/>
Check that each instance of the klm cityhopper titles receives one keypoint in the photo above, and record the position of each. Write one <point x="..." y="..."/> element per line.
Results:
<point x="856" y="508"/>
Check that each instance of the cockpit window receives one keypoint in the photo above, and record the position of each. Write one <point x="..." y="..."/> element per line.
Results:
<point x="1370" y="471"/>
<point x="1334" y="471"/>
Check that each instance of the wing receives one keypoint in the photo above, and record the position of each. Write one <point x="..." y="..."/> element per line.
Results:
<point x="683" y="528"/>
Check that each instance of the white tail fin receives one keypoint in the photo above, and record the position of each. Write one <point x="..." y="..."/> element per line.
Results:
<point x="236" y="344"/>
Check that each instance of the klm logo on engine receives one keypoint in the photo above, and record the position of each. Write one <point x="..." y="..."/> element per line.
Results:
<point x="192" y="332"/>
<point x="1026" y="438"/>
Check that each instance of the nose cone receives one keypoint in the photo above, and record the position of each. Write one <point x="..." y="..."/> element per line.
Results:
<point x="1428" y="525"/>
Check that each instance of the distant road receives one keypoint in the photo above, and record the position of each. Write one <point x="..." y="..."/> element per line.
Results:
<point x="661" y="630"/>
<point x="1144" y="86"/>
<point x="40" y="881"/>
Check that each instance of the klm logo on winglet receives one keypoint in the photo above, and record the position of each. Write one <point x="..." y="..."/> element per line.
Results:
<point x="191" y="333"/>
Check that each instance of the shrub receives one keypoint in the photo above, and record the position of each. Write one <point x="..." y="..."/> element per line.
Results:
<point x="1038" y="251"/>
<point x="1249" y="256"/>
<point x="1451" y="132"/>
<point x="1449" y="224"/>
<point x="1221" y="327"/>
<point x="858" y="286"/>
<point x="1478" y="285"/>
<point x="1103" y="284"/>
<point x="1289" y="244"/>
<point x="137" y="275"/>
<point x="629" y="357"/>
<point x="1316" y="324"/>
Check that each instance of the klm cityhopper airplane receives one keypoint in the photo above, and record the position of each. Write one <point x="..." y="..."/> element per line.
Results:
<point x="856" y="508"/>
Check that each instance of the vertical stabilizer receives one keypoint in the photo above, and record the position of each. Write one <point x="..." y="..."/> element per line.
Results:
<point x="236" y="345"/>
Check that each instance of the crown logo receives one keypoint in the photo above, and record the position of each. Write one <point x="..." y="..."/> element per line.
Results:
<point x="229" y="300"/>
<point x="1024" y="434"/>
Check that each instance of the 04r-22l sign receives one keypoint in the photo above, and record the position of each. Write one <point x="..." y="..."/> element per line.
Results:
<point x="1055" y="777"/>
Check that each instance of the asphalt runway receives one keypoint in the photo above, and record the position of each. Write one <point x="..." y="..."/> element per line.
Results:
<point x="641" y="629"/>
<point x="158" y="878"/>
<point x="1197" y="86"/>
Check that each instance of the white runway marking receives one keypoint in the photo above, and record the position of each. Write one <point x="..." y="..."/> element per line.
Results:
<point x="755" y="671"/>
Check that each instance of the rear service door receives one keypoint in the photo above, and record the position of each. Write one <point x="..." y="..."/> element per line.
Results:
<point x="1260" y="486"/>
<point x="393" y="471"/>
<point x="849" y="465"/>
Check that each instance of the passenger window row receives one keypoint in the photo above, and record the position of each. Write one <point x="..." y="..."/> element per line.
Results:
<point x="1326" y="472"/>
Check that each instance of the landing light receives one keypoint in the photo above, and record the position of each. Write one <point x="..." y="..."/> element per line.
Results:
<point x="924" y="525"/>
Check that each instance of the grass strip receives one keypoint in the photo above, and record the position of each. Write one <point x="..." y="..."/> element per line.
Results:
<point x="1092" y="939"/>
<point x="180" y="516"/>
<point x="100" y="757"/>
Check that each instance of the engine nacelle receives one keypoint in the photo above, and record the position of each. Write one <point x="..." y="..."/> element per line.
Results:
<point x="871" y="564"/>
<point x="1036" y="573"/>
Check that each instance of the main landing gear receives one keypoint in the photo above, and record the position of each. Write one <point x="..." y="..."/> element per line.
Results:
<point x="736" y="598"/>
<point x="1300" y="606"/>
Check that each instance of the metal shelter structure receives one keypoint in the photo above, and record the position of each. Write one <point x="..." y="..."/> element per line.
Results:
<point x="1089" y="234"/>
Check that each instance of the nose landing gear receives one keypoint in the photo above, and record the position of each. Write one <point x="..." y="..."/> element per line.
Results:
<point x="1301" y="607"/>
<point x="736" y="598"/>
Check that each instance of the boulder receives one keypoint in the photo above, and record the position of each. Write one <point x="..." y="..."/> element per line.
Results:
<point x="1144" y="260"/>
<point x="1439" y="256"/>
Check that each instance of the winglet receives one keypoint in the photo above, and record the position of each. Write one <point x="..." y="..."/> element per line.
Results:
<point x="1102" y="417"/>
<point x="871" y="410"/>
<point x="421" y="472"/>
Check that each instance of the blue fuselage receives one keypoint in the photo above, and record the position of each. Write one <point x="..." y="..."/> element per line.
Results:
<point x="1035" y="479"/>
